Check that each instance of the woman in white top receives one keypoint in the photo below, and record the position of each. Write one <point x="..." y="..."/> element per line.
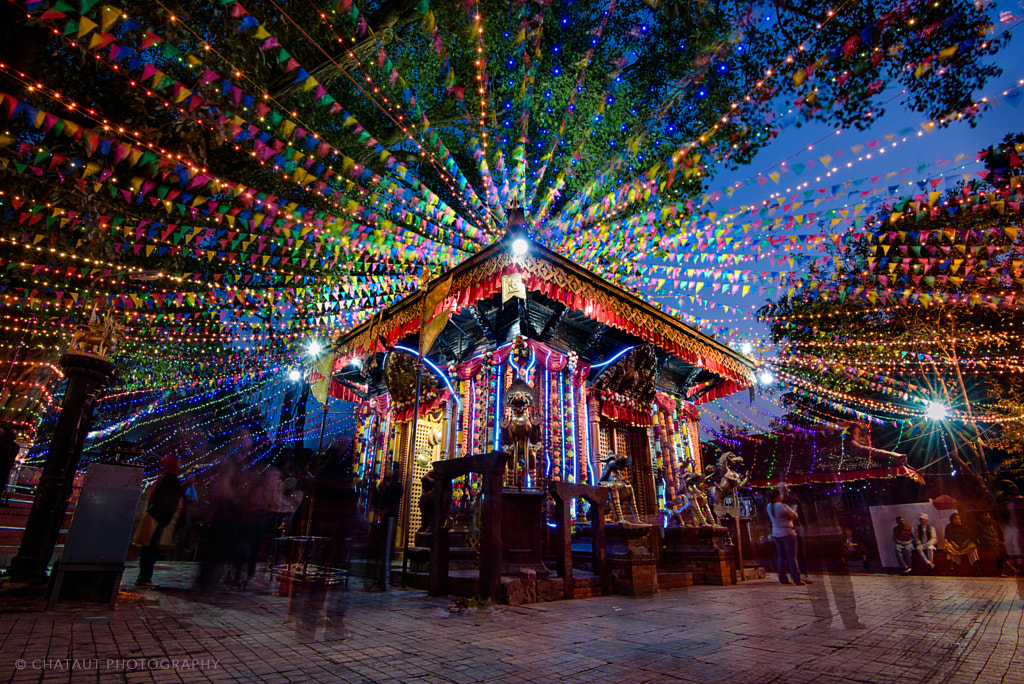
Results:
<point x="784" y="521"/>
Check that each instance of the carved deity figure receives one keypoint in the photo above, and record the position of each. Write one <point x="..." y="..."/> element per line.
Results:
<point x="94" y="338"/>
<point x="520" y="432"/>
<point x="615" y="477"/>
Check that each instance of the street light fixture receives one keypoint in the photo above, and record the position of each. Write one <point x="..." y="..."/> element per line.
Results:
<point x="766" y="378"/>
<point x="935" y="411"/>
<point x="314" y="348"/>
<point x="294" y="375"/>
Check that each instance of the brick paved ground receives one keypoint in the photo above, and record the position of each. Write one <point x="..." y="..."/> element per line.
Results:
<point x="916" y="629"/>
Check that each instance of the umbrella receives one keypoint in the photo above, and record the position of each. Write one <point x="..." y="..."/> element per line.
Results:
<point x="945" y="503"/>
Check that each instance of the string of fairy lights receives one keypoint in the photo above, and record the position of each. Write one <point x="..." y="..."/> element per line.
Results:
<point x="211" y="328"/>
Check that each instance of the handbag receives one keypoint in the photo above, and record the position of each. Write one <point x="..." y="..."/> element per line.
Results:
<point x="144" y="531"/>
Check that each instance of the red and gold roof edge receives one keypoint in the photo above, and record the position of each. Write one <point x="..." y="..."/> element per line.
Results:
<point x="555" y="276"/>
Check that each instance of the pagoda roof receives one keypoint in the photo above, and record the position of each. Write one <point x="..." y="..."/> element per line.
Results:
<point x="567" y="307"/>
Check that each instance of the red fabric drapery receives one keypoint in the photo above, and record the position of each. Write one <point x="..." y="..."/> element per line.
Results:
<point x="624" y="414"/>
<point x="667" y="402"/>
<point x="340" y="391"/>
<point x="548" y="358"/>
<point x="849" y="476"/>
<point x="382" y="404"/>
<point x="469" y="369"/>
<point x="551" y="359"/>
<point x="425" y="407"/>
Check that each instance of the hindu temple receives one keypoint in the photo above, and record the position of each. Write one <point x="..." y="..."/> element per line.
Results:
<point x="570" y="393"/>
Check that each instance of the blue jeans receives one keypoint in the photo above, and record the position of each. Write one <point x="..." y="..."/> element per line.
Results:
<point x="785" y="557"/>
<point x="905" y="556"/>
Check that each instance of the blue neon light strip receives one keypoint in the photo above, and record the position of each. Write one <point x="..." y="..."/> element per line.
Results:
<point x="440" y="373"/>
<point x="497" y="410"/>
<point x="561" y="408"/>
<point x="602" y="365"/>
<point x="586" y="437"/>
<point x="575" y="432"/>
<point x="529" y="365"/>
<point x="547" y="422"/>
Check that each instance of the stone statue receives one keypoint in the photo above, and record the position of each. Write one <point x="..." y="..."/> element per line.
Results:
<point x="520" y="433"/>
<point x="615" y="477"/>
<point x="729" y="481"/>
<point x="696" y="502"/>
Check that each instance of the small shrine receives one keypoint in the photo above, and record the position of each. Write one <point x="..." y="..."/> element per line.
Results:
<point x="568" y="382"/>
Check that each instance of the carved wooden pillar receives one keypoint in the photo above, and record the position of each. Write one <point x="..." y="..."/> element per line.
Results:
<point x="492" y="467"/>
<point x="563" y="494"/>
<point x="439" y="544"/>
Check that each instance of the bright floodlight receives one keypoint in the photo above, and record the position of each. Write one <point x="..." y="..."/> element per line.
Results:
<point x="314" y="348"/>
<point x="766" y="378"/>
<point x="357" y="362"/>
<point x="935" y="411"/>
<point x="520" y="246"/>
<point x="746" y="348"/>
<point x="294" y="375"/>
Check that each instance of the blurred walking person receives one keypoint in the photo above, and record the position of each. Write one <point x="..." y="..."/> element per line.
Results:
<point x="222" y="521"/>
<point x="257" y="514"/>
<point x="164" y="500"/>
<point x="318" y="610"/>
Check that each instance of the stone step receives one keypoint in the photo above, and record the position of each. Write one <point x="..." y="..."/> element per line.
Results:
<point x="678" y="580"/>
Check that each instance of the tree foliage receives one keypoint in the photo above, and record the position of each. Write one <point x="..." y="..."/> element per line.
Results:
<point x="920" y="308"/>
<point x="420" y="125"/>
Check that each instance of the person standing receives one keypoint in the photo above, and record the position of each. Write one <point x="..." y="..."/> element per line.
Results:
<point x="163" y="503"/>
<point x="925" y="539"/>
<point x="903" y="540"/>
<point x="784" y="521"/>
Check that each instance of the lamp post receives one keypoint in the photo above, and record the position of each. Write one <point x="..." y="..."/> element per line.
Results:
<point x="88" y="371"/>
<point x="315" y="349"/>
